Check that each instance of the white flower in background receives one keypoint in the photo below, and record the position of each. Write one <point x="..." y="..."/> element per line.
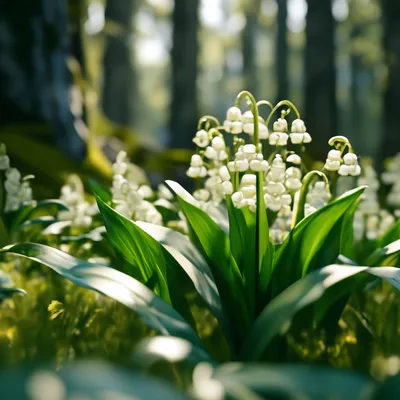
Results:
<point x="197" y="168"/>
<point x="233" y="123"/>
<point x="333" y="161"/>
<point x="392" y="171"/>
<point x="294" y="159"/>
<point x="18" y="191"/>
<point x="80" y="212"/>
<point x="217" y="150"/>
<point x="164" y="192"/>
<point x="129" y="197"/>
<point x="201" y="139"/>
<point x="279" y="136"/>
<point x="350" y="166"/>
<point x="318" y="195"/>
<point x="282" y="225"/>
<point x="248" y="125"/>
<point x="205" y="387"/>
<point x="4" y="159"/>
<point x="299" y="134"/>
<point x="370" y="201"/>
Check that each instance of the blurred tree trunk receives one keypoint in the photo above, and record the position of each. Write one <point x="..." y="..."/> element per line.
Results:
<point x="34" y="78"/>
<point x="320" y="76"/>
<point x="249" y="49"/>
<point x="282" y="52"/>
<point x="391" y="43"/>
<point x="185" y="48"/>
<point x="120" y="85"/>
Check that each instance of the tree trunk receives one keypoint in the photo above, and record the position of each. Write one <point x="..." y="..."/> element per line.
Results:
<point x="391" y="43"/>
<point x="282" y="52"/>
<point x="34" y="77"/>
<point x="184" y="106"/>
<point x="120" y="86"/>
<point x="249" y="51"/>
<point x="320" y="76"/>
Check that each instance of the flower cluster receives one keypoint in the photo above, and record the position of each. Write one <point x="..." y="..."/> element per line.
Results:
<point x="344" y="166"/>
<point x="370" y="220"/>
<point x="391" y="176"/>
<point x="17" y="188"/>
<point x="263" y="160"/>
<point x="130" y="197"/>
<point x="80" y="212"/>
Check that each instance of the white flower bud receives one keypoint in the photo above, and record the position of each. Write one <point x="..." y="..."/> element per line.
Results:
<point x="249" y="149"/>
<point x="257" y="165"/>
<point x="248" y="117"/>
<point x="280" y="125"/>
<point x="196" y="161"/>
<point x="334" y="155"/>
<point x="218" y="143"/>
<point x="350" y="159"/>
<point x="275" y="188"/>
<point x="201" y="139"/>
<point x="224" y="173"/>
<point x="227" y="188"/>
<point x="286" y="199"/>
<point x="263" y="132"/>
<point x="236" y="128"/>
<point x="237" y="198"/>
<point x="211" y="153"/>
<point x="233" y="114"/>
<point x="294" y="159"/>
<point x="297" y="138"/>
<point x="248" y="180"/>
<point x="332" y="166"/>
<point x="121" y="157"/>
<point x="4" y="162"/>
<point x="201" y="195"/>
<point x="298" y="126"/>
<point x="307" y="138"/>
<point x="248" y="191"/>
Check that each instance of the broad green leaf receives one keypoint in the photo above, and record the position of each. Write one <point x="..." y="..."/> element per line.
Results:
<point x="102" y="192"/>
<point x="83" y="380"/>
<point x="388" y="255"/>
<point x="214" y="244"/>
<point x="297" y="381"/>
<point x="42" y="221"/>
<point x="135" y="246"/>
<point x="302" y="248"/>
<point x="391" y="235"/>
<point x="191" y="261"/>
<point x="169" y="349"/>
<point x="277" y="315"/>
<point x="154" y="312"/>
<point x="56" y="228"/>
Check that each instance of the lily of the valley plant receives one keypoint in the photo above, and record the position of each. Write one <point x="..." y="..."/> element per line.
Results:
<point x="258" y="240"/>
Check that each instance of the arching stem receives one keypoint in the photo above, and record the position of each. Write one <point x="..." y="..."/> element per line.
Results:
<point x="280" y="104"/>
<point x="340" y="143"/>
<point x="251" y="101"/>
<point x="207" y="118"/>
<point x="298" y="211"/>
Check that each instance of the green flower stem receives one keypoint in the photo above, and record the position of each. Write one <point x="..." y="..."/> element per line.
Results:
<point x="254" y="109"/>
<point x="266" y="103"/>
<point x="280" y="104"/>
<point x="340" y="143"/>
<point x="214" y="132"/>
<point x="298" y="211"/>
<point x="205" y="119"/>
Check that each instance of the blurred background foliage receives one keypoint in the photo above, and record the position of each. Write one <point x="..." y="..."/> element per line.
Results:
<point x="81" y="79"/>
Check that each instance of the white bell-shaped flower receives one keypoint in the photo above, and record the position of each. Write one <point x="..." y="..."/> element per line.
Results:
<point x="350" y="166"/>
<point x="293" y="179"/>
<point x="333" y="161"/>
<point x="196" y="169"/>
<point x="201" y="139"/>
<point x="294" y="159"/>
<point x="299" y="134"/>
<point x="217" y="150"/>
